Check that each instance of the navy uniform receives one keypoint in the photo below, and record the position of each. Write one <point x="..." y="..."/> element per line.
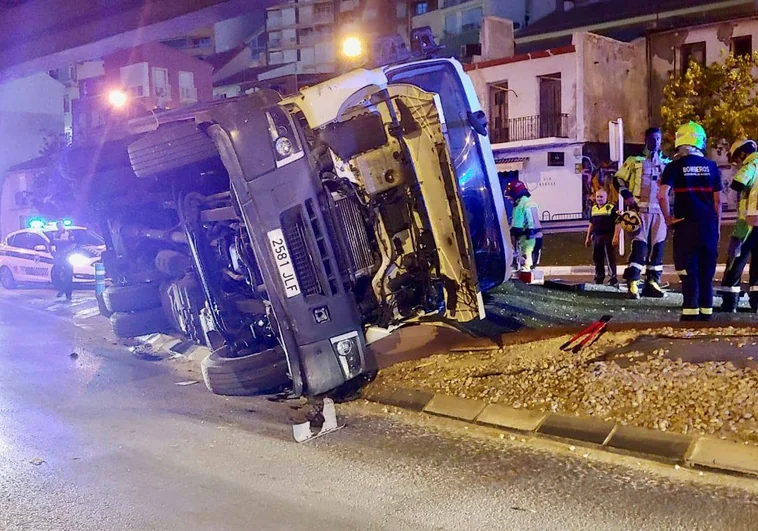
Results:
<point x="696" y="182"/>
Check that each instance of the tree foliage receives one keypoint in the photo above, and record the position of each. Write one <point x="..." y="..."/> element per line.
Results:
<point x="721" y="97"/>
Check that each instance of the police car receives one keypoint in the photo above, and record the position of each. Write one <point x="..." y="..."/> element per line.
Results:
<point x="26" y="257"/>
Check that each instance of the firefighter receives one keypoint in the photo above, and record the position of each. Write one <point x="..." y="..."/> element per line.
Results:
<point x="696" y="182"/>
<point x="526" y="227"/>
<point x="62" y="273"/>
<point x="743" y="245"/>
<point x="638" y="181"/>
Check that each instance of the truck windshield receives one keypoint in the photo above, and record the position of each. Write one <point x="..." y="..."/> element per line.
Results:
<point x="470" y="171"/>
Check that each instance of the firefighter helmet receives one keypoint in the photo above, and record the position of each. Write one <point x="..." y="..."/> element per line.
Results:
<point x="691" y="134"/>
<point x="630" y="221"/>
<point x="739" y="144"/>
<point x="516" y="190"/>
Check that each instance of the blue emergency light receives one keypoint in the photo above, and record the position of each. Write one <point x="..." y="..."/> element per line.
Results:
<point x="36" y="223"/>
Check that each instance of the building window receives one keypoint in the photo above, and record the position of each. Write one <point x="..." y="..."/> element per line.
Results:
<point x="742" y="46"/>
<point x="451" y="24"/>
<point x="160" y="83"/>
<point x="66" y="103"/>
<point x="499" y="112"/>
<point x="420" y="8"/>
<point x="472" y="19"/>
<point x="693" y="52"/>
<point x="187" y="90"/>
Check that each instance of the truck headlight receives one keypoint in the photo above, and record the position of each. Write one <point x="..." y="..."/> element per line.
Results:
<point x="78" y="260"/>
<point x="348" y="350"/>
<point x="284" y="137"/>
<point x="283" y="146"/>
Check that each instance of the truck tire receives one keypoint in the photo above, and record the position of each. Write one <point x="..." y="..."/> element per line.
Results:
<point x="139" y="323"/>
<point x="245" y="375"/>
<point x="172" y="264"/>
<point x="132" y="297"/>
<point x="7" y="279"/>
<point x="170" y="148"/>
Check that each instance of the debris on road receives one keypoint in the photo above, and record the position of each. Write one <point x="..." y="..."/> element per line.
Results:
<point x="302" y="432"/>
<point x="188" y="382"/>
<point x="37" y="461"/>
<point x="666" y="379"/>
<point x="73" y="355"/>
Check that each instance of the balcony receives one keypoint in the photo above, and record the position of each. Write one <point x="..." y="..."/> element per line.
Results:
<point x="530" y="128"/>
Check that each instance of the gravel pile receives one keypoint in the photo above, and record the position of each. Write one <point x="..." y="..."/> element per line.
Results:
<point x="653" y="389"/>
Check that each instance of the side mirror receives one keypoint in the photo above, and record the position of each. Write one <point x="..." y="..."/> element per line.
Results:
<point x="40" y="248"/>
<point x="478" y="121"/>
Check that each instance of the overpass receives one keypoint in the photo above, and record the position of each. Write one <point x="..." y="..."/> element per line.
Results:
<point x="39" y="35"/>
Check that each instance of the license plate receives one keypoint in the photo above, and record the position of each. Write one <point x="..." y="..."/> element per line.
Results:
<point x="283" y="263"/>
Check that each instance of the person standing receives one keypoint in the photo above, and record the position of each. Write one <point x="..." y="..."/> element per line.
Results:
<point x="62" y="273"/>
<point x="603" y="235"/>
<point x="696" y="183"/>
<point x="526" y="227"/>
<point x="638" y="181"/>
<point x="743" y="244"/>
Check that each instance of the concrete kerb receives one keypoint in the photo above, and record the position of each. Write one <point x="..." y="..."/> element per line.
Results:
<point x="673" y="448"/>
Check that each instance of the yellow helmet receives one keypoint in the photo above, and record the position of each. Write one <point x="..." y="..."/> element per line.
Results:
<point x="690" y="134"/>
<point x="739" y="143"/>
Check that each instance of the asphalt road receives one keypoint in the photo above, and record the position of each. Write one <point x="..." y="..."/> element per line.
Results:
<point x="125" y="448"/>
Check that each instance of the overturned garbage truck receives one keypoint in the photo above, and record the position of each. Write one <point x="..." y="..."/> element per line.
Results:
<point x="286" y="233"/>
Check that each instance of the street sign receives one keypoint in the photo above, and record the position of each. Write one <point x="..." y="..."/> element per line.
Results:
<point x="616" y="143"/>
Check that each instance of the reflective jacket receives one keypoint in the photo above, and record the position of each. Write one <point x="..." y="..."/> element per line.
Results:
<point x="640" y="177"/>
<point x="748" y="205"/>
<point x="526" y="218"/>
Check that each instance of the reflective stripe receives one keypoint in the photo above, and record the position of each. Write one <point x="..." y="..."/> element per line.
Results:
<point x="694" y="189"/>
<point x="655" y="268"/>
<point x="690" y="311"/>
<point x="637" y="266"/>
<point x="682" y="273"/>
<point x="753" y="288"/>
<point x="727" y="289"/>
<point x="706" y="311"/>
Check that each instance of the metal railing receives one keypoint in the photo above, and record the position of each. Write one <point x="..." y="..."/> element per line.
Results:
<point x="530" y="128"/>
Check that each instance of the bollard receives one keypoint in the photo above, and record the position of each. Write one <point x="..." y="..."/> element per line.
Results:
<point x="99" y="278"/>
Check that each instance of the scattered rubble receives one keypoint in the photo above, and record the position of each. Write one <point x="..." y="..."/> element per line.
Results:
<point x="659" y="388"/>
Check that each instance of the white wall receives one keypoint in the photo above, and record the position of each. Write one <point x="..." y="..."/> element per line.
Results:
<point x="557" y="189"/>
<point x="31" y="109"/>
<point x="522" y="78"/>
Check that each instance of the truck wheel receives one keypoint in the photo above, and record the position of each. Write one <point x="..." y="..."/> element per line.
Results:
<point x="170" y="148"/>
<point x="245" y="375"/>
<point x="139" y="323"/>
<point x="7" y="279"/>
<point x="132" y="297"/>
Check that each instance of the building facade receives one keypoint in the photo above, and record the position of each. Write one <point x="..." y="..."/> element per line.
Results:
<point x="548" y="114"/>
<point x="304" y="36"/>
<point x="154" y="76"/>
<point x="456" y="24"/>
<point x="31" y="114"/>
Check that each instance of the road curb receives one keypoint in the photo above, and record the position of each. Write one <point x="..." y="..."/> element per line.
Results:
<point x="673" y="448"/>
<point x="589" y="270"/>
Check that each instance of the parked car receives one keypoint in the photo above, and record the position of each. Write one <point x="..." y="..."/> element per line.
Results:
<point x="26" y="257"/>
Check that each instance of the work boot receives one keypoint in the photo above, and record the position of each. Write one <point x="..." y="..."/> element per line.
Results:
<point x="613" y="282"/>
<point x="599" y="281"/>
<point x="652" y="289"/>
<point x="689" y="318"/>
<point x="729" y="302"/>
<point x="634" y="289"/>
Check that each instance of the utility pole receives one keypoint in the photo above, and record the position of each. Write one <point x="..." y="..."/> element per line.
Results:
<point x="616" y="142"/>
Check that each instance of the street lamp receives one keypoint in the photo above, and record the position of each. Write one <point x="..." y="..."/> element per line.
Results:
<point x="120" y="99"/>
<point x="352" y="47"/>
